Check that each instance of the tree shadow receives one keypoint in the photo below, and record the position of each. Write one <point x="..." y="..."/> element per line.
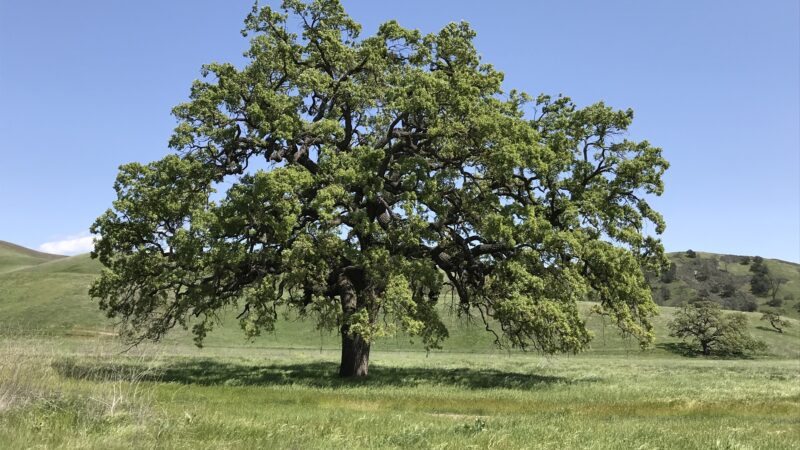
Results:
<point x="767" y="329"/>
<point x="692" y="351"/>
<point x="208" y="372"/>
<point x="681" y="348"/>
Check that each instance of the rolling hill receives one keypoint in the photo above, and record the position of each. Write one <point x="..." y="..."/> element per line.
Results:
<point x="724" y="279"/>
<point x="42" y="293"/>
<point x="48" y="293"/>
<point x="15" y="257"/>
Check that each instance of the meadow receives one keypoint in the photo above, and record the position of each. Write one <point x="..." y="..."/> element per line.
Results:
<point x="66" y="382"/>
<point x="84" y="394"/>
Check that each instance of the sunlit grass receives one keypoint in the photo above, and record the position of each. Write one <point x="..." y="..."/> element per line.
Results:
<point x="292" y="399"/>
<point x="64" y="384"/>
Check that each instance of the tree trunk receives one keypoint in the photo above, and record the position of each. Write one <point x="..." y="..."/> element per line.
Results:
<point x="706" y="348"/>
<point x="355" y="349"/>
<point x="355" y="356"/>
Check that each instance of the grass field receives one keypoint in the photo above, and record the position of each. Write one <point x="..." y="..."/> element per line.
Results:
<point x="82" y="394"/>
<point x="65" y="383"/>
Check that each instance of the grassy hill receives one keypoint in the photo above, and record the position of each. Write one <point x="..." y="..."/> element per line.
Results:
<point x="64" y="383"/>
<point x="49" y="295"/>
<point x="726" y="280"/>
<point x="15" y="257"/>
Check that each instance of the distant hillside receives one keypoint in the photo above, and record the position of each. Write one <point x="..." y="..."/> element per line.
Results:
<point x="50" y="295"/>
<point x="14" y="257"/>
<point x="725" y="279"/>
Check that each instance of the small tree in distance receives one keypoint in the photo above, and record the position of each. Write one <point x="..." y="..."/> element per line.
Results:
<point x="760" y="282"/>
<point x="728" y="290"/>
<point x="704" y="323"/>
<point x="360" y="176"/>
<point x="665" y="294"/>
<point x="775" y="283"/>
<point x="775" y="320"/>
<point x="669" y="275"/>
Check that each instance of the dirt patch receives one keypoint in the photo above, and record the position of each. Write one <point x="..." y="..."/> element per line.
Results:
<point x="82" y="332"/>
<point x="459" y="416"/>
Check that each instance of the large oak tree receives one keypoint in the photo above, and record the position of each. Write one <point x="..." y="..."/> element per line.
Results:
<point x="353" y="178"/>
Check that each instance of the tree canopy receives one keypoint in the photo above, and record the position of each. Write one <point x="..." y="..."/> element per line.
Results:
<point x="703" y="323"/>
<point x="760" y="283"/>
<point x="353" y="178"/>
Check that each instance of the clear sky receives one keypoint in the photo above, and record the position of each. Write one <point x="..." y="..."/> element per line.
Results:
<point x="87" y="86"/>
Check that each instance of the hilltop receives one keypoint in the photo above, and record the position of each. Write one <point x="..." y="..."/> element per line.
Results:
<point x="725" y="279"/>
<point x="14" y="257"/>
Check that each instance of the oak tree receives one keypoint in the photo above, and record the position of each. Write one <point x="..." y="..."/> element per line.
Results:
<point x="704" y="323"/>
<point x="354" y="178"/>
<point x="775" y="320"/>
<point x="760" y="282"/>
<point x="775" y="283"/>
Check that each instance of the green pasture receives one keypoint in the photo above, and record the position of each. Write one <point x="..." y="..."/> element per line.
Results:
<point x="66" y="382"/>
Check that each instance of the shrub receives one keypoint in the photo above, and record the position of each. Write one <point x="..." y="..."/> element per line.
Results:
<point x="728" y="290"/>
<point x="747" y="305"/>
<point x="760" y="283"/>
<point x="670" y="274"/>
<point x="775" y="302"/>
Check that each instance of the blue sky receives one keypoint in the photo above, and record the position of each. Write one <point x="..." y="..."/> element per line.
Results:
<point x="87" y="86"/>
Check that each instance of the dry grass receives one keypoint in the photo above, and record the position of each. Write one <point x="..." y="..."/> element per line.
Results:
<point x="35" y="373"/>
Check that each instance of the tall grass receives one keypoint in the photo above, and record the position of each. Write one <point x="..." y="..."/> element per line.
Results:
<point x="42" y="389"/>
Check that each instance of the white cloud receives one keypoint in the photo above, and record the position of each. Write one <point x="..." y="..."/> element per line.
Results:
<point x="72" y="245"/>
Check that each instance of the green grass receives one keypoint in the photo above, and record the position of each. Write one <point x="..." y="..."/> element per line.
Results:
<point x="14" y="257"/>
<point x="65" y="384"/>
<point x="52" y="295"/>
<point x="51" y="298"/>
<point x="292" y="399"/>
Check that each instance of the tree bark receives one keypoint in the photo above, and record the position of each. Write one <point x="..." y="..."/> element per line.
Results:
<point x="355" y="356"/>
<point x="355" y="349"/>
